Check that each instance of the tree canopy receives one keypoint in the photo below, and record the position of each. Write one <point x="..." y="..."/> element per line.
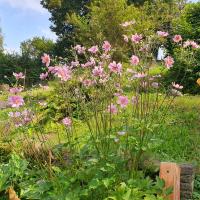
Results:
<point x="35" y="47"/>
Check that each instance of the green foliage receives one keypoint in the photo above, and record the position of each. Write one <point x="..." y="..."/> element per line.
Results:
<point x="35" y="47"/>
<point x="15" y="63"/>
<point x="185" y="71"/>
<point x="59" y="11"/>
<point x="188" y="24"/>
<point x="12" y="172"/>
<point x="93" y="20"/>
<point x="177" y="140"/>
<point x="106" y="15"/>
<point x="29" y="62"/>
<point x="94" y="178"/>
<point x="196" y="193"/>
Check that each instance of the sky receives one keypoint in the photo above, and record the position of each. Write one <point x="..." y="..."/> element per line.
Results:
<point x="23" y="19"/>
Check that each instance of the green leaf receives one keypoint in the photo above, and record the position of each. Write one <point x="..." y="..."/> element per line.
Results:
<point x="168" y="191"/>
<point x="94" y="184"/>
<point x="127" y="195"/>
<point x="106" y="182"/>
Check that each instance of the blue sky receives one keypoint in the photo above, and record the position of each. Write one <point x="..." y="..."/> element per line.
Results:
<point x="23" y="19"/>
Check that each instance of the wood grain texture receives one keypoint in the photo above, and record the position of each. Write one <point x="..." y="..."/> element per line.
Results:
<point x="170" y="173"/>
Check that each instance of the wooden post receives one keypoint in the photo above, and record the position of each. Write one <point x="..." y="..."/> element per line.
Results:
<point x="170" y="173"/>
<point x="187" y="179"/>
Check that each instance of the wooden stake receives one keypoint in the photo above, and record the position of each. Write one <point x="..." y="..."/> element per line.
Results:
<point x="170" y="173"/>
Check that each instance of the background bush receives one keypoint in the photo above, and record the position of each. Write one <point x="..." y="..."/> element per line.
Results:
<point x="28" y="62"/>
<point x="184" y="72"/>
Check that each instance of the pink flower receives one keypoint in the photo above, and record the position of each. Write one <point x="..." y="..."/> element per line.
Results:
<point x="136" y="38"/>
<point x="87" y="64"/>
<point x="155" y="85"/>
<point x="79" y="49"/>
<point x="115" y="67"/>
<point x="51" y="70"/>
<point x="140" y="75"/>
<point x="176" y="92"/>
<point x="144" y="48"/>
<point x="98" y="71"/>
<point x="93" y="49"/>
<point x="123" y="101"/>
<point x="43" y="76"/>
<point x="105" y="56"/>
<point x="19" y="75"/>
<point x="134" y="60"/>
<point x="74" y="63"/>
<point x="67" y="122"/>
<point x="106" y="46"/>
<point x="177" y="86"/>
<point x="125" y="24"/>
<point x="46" y="59"/>
<point x="162" y="33"/>
<point x="193" y="44"/>
<point x="27" y="116"/>
<point x="90" y="63"/>
<point x="64" y="73"/>
<point x="15" y="101"/>
<point x="169" y="61"/>
<point x="112" y="109"/>
<point x="92" y="60"/>
<point x="103" y="79"/>
<point x="87" y="82"/>
<point x="177" y="38"/>
<point x="125" y="38"/>
<point x="14" y="114"/>
<point x="15" y="90"/>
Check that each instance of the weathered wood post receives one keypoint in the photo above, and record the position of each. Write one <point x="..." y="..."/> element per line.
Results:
<point x="171" y="174"/>
<point x="180" y="177"/>
<point x="187" y="179"/>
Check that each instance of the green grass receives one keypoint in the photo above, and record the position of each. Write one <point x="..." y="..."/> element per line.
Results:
<point x="179" y="137"/>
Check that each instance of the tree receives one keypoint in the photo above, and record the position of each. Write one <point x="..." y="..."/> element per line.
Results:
<point x="1" y="41"/>
<point x="59" y="10"/>
<point x="104" y="19"/>
<point x="35" y="47"/>
<point x="185" y="72"/>
<point x="28" y="62"/>
<point x="188" y="24"/>
<point x="68" y="15"/>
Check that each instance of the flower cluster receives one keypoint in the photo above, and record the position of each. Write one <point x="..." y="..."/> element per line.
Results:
<point x="99" y="78"/>
<point x="19" y="75"/>
<point x="192" y="44"/>
<point x="21" y="118"/>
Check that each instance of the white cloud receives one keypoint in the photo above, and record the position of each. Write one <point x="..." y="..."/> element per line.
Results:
<point x="48" y="34"/>
<point x="25" y="5"/>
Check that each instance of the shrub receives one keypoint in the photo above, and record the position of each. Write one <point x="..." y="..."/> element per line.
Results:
<point x="185" y="71"/>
